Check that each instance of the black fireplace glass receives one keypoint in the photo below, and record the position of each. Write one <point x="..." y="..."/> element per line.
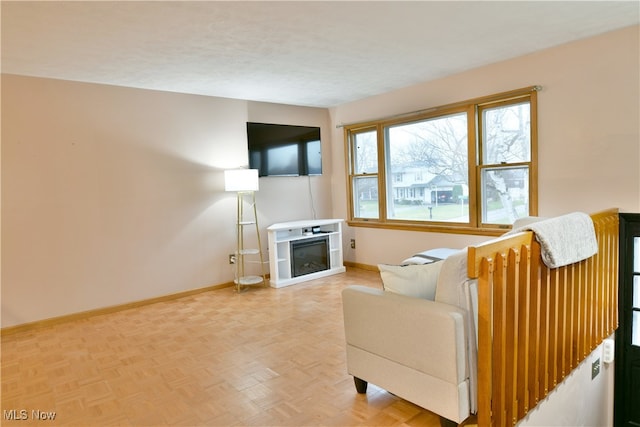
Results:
<point x="309" y="256"/>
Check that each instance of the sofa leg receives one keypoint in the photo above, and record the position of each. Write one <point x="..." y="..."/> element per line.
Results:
<point x="361" y="385"/>
<point x="445" y="422"/>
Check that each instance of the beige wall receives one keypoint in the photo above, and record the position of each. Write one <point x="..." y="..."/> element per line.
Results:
<point x="112" y="195"/>
<point x="589" y="143"/>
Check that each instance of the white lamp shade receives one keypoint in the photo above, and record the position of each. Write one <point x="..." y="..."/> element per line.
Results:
<point x="241" y="180"/>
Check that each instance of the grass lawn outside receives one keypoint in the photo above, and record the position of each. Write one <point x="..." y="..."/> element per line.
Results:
<point x="443" y="212"/>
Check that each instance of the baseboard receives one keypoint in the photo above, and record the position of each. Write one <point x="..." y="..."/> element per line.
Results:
<point x="106" y="310"/>
<point x="361" y="266"/>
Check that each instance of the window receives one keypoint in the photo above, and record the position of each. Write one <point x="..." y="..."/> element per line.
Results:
<point x="365" y="174"/>
<point x="467" y="167"/>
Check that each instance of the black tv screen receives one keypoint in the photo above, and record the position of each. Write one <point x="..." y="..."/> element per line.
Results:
<point x="284" y="150"/>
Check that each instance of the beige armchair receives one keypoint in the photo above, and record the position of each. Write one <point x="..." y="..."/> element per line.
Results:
<point x="419" y="349"/>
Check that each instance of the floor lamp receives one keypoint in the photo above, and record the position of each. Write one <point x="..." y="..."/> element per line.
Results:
<point x="244" y="182"/>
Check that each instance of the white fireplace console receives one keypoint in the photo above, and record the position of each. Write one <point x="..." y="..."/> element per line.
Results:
<point x="283" y="237"/>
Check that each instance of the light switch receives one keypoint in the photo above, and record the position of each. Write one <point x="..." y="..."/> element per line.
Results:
<point x="595" y="368"/>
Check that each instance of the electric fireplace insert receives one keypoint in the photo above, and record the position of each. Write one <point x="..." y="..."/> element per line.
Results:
<point x="309" y="256"/>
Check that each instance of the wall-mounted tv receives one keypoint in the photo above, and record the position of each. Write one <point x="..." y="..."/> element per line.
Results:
<point x="284" y="150"/>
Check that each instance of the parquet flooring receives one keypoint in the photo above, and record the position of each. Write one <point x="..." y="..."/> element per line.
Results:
<point x="264" y="357"/>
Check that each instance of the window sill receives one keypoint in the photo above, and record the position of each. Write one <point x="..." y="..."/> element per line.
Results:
<point x="431" y="228"/>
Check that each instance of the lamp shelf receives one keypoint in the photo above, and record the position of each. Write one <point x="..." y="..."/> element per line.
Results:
<point x="249" y="251"/>
<point x="249" y="280"/>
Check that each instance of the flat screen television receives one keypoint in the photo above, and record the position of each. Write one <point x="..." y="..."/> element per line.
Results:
<point x="284" y="150"/>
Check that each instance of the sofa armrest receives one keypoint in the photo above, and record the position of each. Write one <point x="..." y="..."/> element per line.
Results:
<point x="425" y="335"/>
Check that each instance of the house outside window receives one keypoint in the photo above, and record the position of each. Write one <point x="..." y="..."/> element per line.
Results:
<point x="467" y="167"/>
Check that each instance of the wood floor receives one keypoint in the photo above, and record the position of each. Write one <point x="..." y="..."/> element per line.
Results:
<point x="264" y="357"/>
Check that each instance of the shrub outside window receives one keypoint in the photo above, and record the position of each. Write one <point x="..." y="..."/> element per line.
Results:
<point x="468" y="167"/>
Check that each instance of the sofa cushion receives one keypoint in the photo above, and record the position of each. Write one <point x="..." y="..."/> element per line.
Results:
<point x="452" y="277"/>
<point x="418" y="281"/>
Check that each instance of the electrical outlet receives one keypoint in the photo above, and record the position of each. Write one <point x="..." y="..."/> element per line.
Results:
<point x="232" y="258"/>
<point x="608" y="350"/>
<point x="353" y="243"/>
<point x="595" y="368"/>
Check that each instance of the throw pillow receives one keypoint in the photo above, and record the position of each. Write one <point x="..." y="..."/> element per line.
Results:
<point x="418" y="281"/>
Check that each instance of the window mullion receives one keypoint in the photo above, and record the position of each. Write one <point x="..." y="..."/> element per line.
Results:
<point x="533" y="168"/>
<point x="472" y="146"/>
<point x="383" y="182"/>
<point x="351" y="171"/>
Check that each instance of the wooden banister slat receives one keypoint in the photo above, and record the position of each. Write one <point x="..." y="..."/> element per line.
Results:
<point x="485" y="351"/>
<point x="535" y="329"/>
<point x="500" y="322"/>
<point x="554" y="327"/>
<point x="523" y="332"/>
<point x="546" y="319"/>
<point x="511" y="334"/>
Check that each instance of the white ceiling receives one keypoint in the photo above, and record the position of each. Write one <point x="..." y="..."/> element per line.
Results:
<point x="301" y="52"/>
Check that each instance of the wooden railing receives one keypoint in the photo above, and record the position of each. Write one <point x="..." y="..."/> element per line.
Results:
<point x="535" y="324"/>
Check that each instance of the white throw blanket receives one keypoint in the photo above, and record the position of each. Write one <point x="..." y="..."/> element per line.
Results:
<point x="564" y="239"/>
